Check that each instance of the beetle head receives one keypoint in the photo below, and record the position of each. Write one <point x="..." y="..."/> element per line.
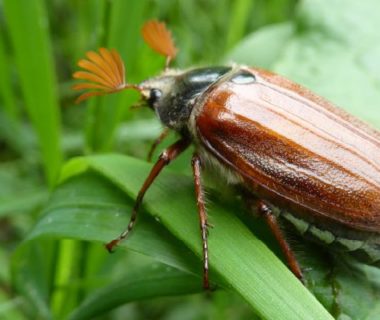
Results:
<point x="164" y="95"/>
<point x="106" y="74"/>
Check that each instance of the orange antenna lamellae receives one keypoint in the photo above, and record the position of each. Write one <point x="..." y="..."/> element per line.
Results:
<point x="160" y="39"/>
<point x="105" y="73"/>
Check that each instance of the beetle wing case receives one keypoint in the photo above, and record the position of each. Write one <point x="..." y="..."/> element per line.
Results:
<point x="293" y="148"/>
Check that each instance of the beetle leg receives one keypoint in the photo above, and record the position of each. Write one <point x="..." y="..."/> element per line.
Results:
<point x="271" y="220"/>
<point x="196" y="164"/>
<point x="166" y="156"/>
<point x="156" y="142"/>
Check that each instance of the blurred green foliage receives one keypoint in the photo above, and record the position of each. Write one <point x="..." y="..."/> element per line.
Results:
<point x="52" y="263"/>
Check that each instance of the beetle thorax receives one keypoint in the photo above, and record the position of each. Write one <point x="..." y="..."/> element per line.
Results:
<point x="173" y="94"/>
<point x="164" y="95"/>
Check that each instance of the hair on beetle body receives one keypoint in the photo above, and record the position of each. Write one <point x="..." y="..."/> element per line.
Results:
<point x="210" y="162"/>
<point x="297" y="156"/>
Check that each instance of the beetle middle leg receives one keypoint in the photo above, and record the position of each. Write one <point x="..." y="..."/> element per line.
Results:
<point x="165" y="158"/>
<point x="265" y="211"/>
<point x="196" y="164"/>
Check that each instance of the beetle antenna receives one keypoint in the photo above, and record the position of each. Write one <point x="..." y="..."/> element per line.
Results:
<point x="160" y="39"/>
<point x="105" y="72"/>
<point x="138" y="105"/>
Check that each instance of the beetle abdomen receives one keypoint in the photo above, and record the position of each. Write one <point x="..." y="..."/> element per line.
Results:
<point x="361" y="245"/>
<point x="295" y="150"/>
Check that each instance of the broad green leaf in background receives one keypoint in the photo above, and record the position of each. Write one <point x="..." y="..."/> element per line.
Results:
<point x="330" y="49"/>
<point x="262" y="48"/>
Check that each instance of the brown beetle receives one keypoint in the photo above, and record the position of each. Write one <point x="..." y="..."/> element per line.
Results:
<point x="298" y="156"/>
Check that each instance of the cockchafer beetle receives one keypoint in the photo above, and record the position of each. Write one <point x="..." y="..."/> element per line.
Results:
<point x="297" y="156"/>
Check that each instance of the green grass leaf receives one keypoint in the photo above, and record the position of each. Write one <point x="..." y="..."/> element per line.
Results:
<point x="90" y="198"/>
<point x="28" y="29"/>
<point x="151" y="281"/>
<point x="7" y="98"/>
<point x="239" y="261"/>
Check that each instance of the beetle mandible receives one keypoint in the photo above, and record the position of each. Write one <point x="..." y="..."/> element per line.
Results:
<point x="287" y="147"/>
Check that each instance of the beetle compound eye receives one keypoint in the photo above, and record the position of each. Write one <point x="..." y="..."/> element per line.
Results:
<point x="244" y="77"/>
<point x="154" y="96"/>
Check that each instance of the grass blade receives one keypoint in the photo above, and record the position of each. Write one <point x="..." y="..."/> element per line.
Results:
<point x="143" y="283"/>
<point x="7" y="98"/>
<point x="239" y="261"/>
<point x="28" y="28"/>
<point x="241" y="12"/>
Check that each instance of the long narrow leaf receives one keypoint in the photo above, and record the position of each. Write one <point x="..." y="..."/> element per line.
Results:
<point x="7" y="100"/>
<point x="239" y="261"/>
<point x="28" y="28"/>
<point x="151" y="281"/>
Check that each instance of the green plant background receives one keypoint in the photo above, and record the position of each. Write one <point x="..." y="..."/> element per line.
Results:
<point x="69" y="173"/>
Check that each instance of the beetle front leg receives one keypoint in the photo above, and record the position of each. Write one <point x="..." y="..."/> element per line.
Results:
<point x="156" y="142"/>
<point x="196" y="164"/>
<point x="165" y="158"/>
<point x="265" y="211"/>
